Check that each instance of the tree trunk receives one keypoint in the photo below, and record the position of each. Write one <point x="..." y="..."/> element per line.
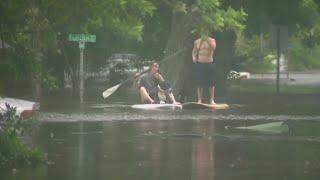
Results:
<point x="37" y="77"/>
<point x="177" y="65"/>
<point x="223" y="59"/>
<point x="36" y="73"/>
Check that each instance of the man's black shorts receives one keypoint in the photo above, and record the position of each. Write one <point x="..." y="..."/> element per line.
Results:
<point x="205" y="74"/>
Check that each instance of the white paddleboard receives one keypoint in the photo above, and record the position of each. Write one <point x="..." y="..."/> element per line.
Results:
<point x="195" y="105"/>
<point x="157" y="106"/>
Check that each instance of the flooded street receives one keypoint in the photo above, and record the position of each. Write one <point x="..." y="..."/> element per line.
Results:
<point x="117" y="142"/>
<point x="72" y="75"/>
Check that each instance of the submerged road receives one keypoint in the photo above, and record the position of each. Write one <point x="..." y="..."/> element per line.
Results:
<point x="309" y="78"/>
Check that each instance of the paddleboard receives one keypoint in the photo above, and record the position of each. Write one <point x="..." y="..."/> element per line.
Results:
<point x="195" y="105"/>
<point x="157" y="106"/>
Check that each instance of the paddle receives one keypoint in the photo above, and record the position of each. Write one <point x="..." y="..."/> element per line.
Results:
<point x="111" y="90"/>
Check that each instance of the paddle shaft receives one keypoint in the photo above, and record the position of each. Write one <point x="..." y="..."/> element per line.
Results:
<point x="135" y="76"/>
<point x="111" y="90"/>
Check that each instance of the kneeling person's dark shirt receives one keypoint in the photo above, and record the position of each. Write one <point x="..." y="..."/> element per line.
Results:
<point x="151" y="85"/>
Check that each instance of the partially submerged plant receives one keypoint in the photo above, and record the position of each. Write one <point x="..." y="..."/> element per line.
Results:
<point x="13" y="151"/>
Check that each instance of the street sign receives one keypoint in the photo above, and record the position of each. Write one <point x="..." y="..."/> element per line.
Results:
<point x="82" y="37"/>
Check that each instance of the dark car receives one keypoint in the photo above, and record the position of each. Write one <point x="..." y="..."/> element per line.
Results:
<point x="122" y="66"/>
<point x="116" y="69"/>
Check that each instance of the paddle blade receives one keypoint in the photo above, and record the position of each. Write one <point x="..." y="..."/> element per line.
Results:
<point x="110" y="91"/>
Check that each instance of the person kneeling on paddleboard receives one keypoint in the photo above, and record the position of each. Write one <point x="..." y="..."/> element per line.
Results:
<point x="149" y="86"/>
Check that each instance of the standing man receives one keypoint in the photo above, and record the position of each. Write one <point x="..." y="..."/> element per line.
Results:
<point x="202" y="56"/>
<point x="148" y="86"/>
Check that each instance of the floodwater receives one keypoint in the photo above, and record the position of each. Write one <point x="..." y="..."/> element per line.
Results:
<point x="114" y="141"/>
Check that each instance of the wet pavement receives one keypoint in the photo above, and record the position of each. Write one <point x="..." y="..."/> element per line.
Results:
<point x="309" y="78"/>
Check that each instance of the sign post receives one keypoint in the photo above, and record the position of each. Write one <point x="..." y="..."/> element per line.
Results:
<point x="82" y="39"/>
<point x="278" y="41"/>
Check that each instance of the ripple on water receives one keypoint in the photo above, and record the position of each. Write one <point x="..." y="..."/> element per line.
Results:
<point x="132" y="115"/>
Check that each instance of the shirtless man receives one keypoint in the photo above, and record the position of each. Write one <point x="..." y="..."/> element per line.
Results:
<point x="202" y="56"/>
<point x="148" y="86"/>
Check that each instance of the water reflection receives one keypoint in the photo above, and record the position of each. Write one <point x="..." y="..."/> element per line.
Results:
<point x="126" y="144"/>
<point x="80" y="155"/>
<point x="203" y="154"/>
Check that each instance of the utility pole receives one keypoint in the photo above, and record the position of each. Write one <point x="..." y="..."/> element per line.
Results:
<point x="81" y="87"/>
<point x="278" y="60"/>
<point x="278" y="41"/>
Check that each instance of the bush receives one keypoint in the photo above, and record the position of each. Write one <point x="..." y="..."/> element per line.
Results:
<point x="248" y="54"/>
<point x="13" y="152"/>
<point x="302" y="57"/>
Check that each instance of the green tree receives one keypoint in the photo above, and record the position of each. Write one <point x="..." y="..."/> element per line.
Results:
<point x="191" y="19"/>
<point x="37" y="29"/>
<point x="300" y="16"/>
